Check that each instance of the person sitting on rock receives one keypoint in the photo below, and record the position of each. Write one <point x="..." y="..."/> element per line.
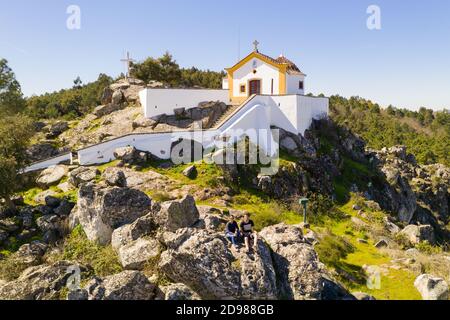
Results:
<point x="232" y="231"/>
<point x="247" y="226"/>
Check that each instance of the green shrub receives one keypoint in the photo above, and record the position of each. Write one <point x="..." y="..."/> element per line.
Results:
<point x="103" y="259"/>
<point x="160" y="196"/>
<point x="427" y="248"/>
<point x="11" y="268"/>
<point x="320" y="209"/>
<point x="402" y="240"/>
<point x="332" y="249"/>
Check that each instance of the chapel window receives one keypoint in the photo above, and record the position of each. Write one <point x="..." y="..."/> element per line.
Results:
<point x="301" y="85"/>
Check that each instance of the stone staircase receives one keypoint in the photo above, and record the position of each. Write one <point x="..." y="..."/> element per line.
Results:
<point x="224" y="117"/>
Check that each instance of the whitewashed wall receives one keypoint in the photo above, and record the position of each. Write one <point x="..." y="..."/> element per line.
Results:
<point x="284" y="112"/>
<point x="158" y="144"/>
<point x="164" y="101"/>
<point x="264" y="72"/>
<point x="293" y="113"/>
<point x="292" y="85"/>
<point x="67" y="157"/>
<point x="309" y="108"/>
<point x="225" y="84"/>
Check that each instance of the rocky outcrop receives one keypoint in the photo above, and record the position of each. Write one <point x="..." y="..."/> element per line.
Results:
<point x="190" y="172"/>
<point x="101" y="210"/>
<point x="31" y="254"/>
<point x="417" y="193"/>
<point x="56" y="129"/>
<point x="178" y="214"/>
<point x="51" y="176"/>
<point x="53" y="227"/>
<point x="179" y="291"/>
<point x="300" y="274"/>
<point x="135" y="255"/>
<point x="106" y="109"/>
<point x="296" y="263"/>
<point x="203" y="261"/>
<point x="206" y="113"/>
<point x="431" y="288"/>
<point x="41" y="151"/>
<point x="416" y="234"/>
<point x="130" y="155"/>
<point x="82" y="175"/>
<point x="38" y="283"/>
<point x="114" y="177"/>
<point x="126" y="91"/>
<point x="127" y="285"/>
<point x="126" y="234"/>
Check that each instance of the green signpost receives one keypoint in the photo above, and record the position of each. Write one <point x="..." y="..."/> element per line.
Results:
<point x="304" y="202"/>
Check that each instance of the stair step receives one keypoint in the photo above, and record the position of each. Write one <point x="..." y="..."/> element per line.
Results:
<point x="225" y="115"/>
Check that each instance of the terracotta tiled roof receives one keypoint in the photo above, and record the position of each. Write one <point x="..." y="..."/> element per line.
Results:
<point x="281" y="60"/>
<point x="292" y="68"/>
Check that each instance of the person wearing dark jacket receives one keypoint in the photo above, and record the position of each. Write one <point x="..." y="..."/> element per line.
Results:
<point x="232" y="231"/>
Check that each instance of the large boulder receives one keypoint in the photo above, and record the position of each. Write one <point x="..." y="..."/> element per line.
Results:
<point x="9" y="225"/>
<point x="64" y="208"/>
<point x="179" y="291"/>
<point x="106" y="96"/>
<point x="53" y="227"/>
<point x="416" y="234"/>
<point x="41" y="196"/>
<point x="106" y="109"/>
<point x="31" y="254"/>
<point x="135" y="255"/>
<point x="114" y="177"/>
<point x="204" y="262"/>
<point x="51" y="176"/>
<point x="211" y="218"/>
<point x="207" y="112"/>
<point x="117" y="97"/>
<point x="431" y="288"/>
<point x="130" y="155"/>
<point x="38" y="283"/>
<point x="41" y="151"/>
<point x="101" y="210"/>
<point x="301" y="274"/>
<point x="56" y="129"/>
<point x="83" y="175"/>
<point x="178" y="214"/>
<point x="128" y="233"/>
<point x="127" y="285"/>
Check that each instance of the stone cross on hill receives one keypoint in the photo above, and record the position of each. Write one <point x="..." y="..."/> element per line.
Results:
<point x="128" y="62"/>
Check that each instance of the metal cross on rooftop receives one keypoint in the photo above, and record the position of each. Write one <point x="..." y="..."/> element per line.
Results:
<point x="128" y="62"/>
<point x="256" y="44"/>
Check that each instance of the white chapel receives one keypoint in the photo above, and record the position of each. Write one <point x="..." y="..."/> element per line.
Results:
<point x="260" y="74"/>
<point x="260" y="93"/>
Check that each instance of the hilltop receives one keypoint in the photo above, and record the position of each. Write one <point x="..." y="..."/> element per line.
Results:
<point x="143" y="228"/>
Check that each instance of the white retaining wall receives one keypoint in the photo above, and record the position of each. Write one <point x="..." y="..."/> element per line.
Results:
<point x="293" y="113"/>
<point x="309" y="108"/>
<point x="164" y="101"/>
<point x="158" y="144"/>
<point x="67" y="157"/>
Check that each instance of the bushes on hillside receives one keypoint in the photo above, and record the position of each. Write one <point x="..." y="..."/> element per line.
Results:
<point x="425" y="133"/>
<point x="166" y="70"/>
<point x="68" y="103"/>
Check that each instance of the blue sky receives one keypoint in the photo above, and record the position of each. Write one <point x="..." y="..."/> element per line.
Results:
<point x="406" y="63"/>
